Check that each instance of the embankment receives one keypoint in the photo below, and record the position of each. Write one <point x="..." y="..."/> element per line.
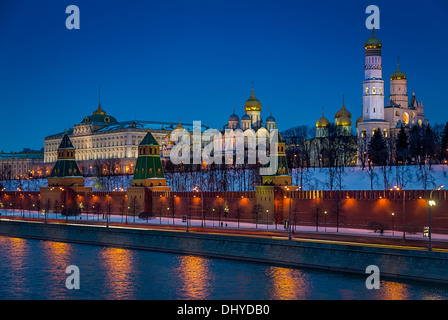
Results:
<point x="392" y="262"/>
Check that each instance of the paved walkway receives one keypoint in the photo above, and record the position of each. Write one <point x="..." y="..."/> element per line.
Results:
<point x="197" y="223"/>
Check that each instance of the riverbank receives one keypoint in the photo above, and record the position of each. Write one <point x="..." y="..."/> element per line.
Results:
<point x="392" y="262"/>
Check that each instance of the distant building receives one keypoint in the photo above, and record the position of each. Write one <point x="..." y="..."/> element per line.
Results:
<point x="389" y="118"/>
<point x="22" y="165"/>
<point x="100" y="137"/>
<point x="398" y="111"/>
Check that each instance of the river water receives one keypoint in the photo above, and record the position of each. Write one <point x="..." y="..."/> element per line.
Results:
<point x="35" y="269"/>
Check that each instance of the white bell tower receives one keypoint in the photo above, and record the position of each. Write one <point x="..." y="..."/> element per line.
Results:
<point x="373" y="84"/>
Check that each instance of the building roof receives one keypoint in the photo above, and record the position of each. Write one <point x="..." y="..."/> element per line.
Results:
<point x="99" y="116"/>
<point x="66" y="143"/>
<point x="148" y="140"/>
<point x="373" y="42"/>
<point x="252" y="104"/>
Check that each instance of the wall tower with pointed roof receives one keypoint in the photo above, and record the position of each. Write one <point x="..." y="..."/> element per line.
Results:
<point x="148" y="170"/>
<point x="65" y="171"/>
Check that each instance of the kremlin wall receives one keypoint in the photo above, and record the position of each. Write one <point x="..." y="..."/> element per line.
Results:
<point x="358" y="209"/>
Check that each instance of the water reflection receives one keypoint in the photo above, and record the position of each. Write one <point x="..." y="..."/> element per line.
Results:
<point x="119" y="276"/>
<point x="287" y="284"/>
<point x="393" y="291"/>
<point x="194" y="277"/>
<point x="17" y="254"/>
<point x="57" y="253"/>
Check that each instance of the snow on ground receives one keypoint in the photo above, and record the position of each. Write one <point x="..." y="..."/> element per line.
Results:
<point x="354" y="178"/>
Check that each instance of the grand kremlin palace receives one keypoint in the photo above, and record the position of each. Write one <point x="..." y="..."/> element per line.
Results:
<point x="100" y="138"/>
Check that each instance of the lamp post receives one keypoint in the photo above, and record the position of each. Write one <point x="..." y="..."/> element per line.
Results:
<point x="404" y="210"/>
<point x="107" y="211"/>
<point x="393" y="214"/>
<point x="197" y="189"/>
<point x="289" y="222"/>
<point x="325" y="220"/>
<point x="267" y="218"/>
<point x="431" y="203"/>
<point x="188" y="210"/>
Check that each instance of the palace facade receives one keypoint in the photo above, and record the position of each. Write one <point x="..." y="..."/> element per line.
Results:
<point x="101" y="137"/>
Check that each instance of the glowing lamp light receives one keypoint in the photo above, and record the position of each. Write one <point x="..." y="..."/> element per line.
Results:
<point x="432" y="203"/>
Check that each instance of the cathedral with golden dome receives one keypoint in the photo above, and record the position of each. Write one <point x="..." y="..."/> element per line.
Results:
<point x="376" y="114"/>
<point x="252" y="117"/>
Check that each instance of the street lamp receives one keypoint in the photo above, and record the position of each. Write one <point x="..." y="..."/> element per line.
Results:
<point x="393" y="214"/>
<point x="431" y="203"/>
<point x="289" y="222"/>
<point x="267" y="218"/>
<point x="325" y="220"/>
<point x="197" y="189"/>
<point x="404" y="211"/>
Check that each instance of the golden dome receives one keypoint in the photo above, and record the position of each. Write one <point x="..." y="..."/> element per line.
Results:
<point x="343" y="121"/>
<point x="252" y="104"/>
<point x="99" y="111"/>
<point x="322" y="122"/>
<point x="343" y="111"/>
<point x="398" y="75"/>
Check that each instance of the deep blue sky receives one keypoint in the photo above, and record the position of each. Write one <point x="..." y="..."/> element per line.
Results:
<point x="161" y="60"/>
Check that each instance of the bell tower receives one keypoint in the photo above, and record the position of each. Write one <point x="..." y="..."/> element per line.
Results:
<point x="373" y="84"/>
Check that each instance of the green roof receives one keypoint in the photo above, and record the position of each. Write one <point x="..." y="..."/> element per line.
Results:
<point x="148" y="166"/>
<point x="397" y="75"/>
<point x="100" y="119"/>
<point x="373" y="40"/>
<point x="66" y="143"/>
<point x="65" y="168"/>
<point x="149" y="140"/>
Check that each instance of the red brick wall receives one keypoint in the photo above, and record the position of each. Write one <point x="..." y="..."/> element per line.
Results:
<point x="358" y="208"/>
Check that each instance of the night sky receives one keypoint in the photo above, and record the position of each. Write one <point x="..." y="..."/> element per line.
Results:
<point x="161" y="60"/>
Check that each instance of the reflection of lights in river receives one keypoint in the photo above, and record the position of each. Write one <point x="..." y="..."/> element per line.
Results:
<point x="287" y="283"/>
<point x="119" y="275"/>
<point x="194" y="277"/>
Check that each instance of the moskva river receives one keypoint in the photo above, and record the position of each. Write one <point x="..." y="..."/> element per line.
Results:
<point x="34" y="269"/>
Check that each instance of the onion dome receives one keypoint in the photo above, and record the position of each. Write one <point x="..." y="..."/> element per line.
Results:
<point x="99" y="116"/>
<point x="270" y="118"/>
<point x="398" y="75"/>
<point x="373" y="42"/>
<point x="252" y="104"/>
<point x="343" y="121"/>
<point x="246" y="117"/>
<point x="179" y="126"/>
<point x="234" y="116"/>
<point x="343" y="111"/>
<point x="322" y="122"/>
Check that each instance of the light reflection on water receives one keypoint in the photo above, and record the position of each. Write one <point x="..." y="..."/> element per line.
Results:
<point x="194" y="277"/>
<point x="34" y="269"/>
<point x="288" y="284"/>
